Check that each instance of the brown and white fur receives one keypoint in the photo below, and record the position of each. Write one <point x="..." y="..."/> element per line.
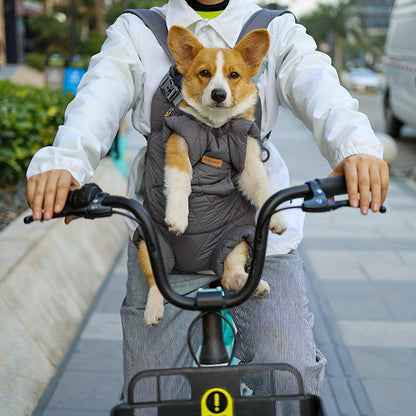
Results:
<point x="217" y="87"/>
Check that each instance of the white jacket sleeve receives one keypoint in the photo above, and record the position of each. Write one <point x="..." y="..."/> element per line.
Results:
<point x="309" y="86"/>
<point x="112" y="83"/>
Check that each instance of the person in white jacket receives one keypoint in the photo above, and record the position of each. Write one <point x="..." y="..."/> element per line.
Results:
<point x="123" y="77"/>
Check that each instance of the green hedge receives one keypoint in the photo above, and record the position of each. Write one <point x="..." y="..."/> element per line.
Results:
<point x="29" y="119"/>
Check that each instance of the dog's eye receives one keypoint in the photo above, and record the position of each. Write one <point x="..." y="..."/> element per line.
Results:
<point x="205" y="73"/>
<point x="234" y="75"/>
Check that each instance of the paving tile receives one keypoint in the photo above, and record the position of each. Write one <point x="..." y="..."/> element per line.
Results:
<point x="402" y="305"/>
<point x="89" y="391"/>
<point x="336" y="265"/>
<point x="103" y="326"/>
<point x="112" y="297"/>
<point x="391" y="397"/>
<point x="394" y="271"/>
<point x="96" y="355"/>
<point x="345" y="362"/>
<point x="398" y="297"/>
<point x="360" y="397"/>
<point x="384" y="363"/>
<point x="71" y="412"/>
<point x="408" y="257"/>
<point x="328" y="401"/>
<point x="355" y="309"/>
<point x="378" y="333"/>
<point x="321" y="333"/>
<point x="333" y="368"/>
<point x="370" y="244"/>
<point x="343" y="397"/>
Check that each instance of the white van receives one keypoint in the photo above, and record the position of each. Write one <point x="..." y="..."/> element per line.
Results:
<point x="400" y="68"/>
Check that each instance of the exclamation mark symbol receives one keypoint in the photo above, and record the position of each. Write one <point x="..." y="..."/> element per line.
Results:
<point x="217" y="402"/>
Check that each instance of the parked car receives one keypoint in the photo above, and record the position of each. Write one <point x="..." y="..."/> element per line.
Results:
<point x="363" y="79"/>
<point x="400" y="68"/>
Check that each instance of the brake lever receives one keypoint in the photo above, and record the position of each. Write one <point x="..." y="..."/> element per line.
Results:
<point x="324" y="204"/>
<point x="95" y="209"/>
<point x="319" y="202"/>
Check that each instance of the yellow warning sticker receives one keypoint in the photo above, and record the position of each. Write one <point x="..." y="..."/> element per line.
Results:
<point x="217" y="402"/>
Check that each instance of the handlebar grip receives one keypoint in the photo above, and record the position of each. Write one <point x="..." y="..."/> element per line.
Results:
<point x="333" y="186"/>
<point x="80" y="198"/>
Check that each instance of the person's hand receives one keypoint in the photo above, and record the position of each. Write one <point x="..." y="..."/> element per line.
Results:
<point x="367" y="180"/>
<point x="47" y="193"/>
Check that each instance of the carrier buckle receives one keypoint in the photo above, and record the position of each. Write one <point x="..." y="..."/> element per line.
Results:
<point x="171" y="91"/>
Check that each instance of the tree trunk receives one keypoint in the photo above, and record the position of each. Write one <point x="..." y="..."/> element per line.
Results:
<point x="99" y="15"/>
<point x="338" y="53"/>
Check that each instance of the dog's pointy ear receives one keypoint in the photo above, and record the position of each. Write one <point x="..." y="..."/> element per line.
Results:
<point x="253" y="47"/>
<point x="184" y="47"/>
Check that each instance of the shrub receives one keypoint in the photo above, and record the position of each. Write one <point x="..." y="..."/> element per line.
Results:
<point x="36" y="60"/>
<point x="29" y="119"/>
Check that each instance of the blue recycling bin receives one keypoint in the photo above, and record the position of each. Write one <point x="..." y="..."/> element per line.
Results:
<point x="73" y="73"/>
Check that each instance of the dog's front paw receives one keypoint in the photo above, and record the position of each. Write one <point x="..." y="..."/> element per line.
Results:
<point x="263" y="289"/>
<point x="176" y="225"/>
<point x="234" y="281"/>
<point x="153" y="312"/>
<point x="277" y="224"/>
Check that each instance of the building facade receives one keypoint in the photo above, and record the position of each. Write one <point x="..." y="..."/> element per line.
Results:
<point x="376" y="13"/>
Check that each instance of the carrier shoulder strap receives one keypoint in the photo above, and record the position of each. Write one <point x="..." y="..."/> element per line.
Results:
<point x="157" y="24"/>
<point x="171" y="82"/>
<point x="259" y="20"/>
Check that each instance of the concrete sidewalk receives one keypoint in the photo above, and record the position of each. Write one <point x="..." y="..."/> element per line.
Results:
<point x="362" y="287"/>
<point x="22" y="74"/>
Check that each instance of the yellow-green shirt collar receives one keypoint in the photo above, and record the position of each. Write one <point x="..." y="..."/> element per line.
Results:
<point x="209" y="15"/>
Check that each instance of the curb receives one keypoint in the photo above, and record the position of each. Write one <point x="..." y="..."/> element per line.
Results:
<point x="50" y="274"/>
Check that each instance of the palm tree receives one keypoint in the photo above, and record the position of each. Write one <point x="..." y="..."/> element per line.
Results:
<point x="332" y="25"/>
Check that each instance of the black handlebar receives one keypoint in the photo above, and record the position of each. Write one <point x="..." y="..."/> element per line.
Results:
<point x="80" y="198"/>
<point x="90" y="202"/>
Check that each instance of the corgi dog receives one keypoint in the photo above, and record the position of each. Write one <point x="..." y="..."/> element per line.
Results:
<point x="217" y="87"/>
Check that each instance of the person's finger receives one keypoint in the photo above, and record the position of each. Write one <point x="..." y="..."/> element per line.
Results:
<point x="375" y="188"/>
<point x="65" y="183"/>
<point x="36" y="195"/>
<point x="351" y="181"/>
<point x="31" y="186"/>
<point x="385" y="179"/>
<point x="364" y="187"/>
<point x="50" y="194"/>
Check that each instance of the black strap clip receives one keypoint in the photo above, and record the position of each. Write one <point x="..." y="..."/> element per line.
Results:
<point x="171" y="91"/>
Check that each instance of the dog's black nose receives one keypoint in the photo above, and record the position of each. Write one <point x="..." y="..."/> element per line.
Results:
<point x="218" y="95"/>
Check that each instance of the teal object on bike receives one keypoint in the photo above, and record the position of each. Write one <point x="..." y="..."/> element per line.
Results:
<point x="228" y="334"/>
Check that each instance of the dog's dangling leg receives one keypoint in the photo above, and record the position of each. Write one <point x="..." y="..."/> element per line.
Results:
<point x="235" y="276"/>
<point x="253" y="184"/>
<point x="153" y="312"/>
<point x="178" y="177"/>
